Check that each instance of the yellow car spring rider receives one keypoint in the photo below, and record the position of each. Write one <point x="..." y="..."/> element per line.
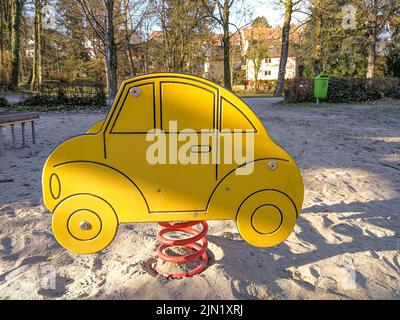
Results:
<point x="94" y="182"/>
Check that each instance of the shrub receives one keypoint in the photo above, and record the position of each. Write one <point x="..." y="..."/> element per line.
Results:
<point x="65" y="98"/>
<point x="299" y="90"/>
<point x="391" y="88"/>
<point x="344" y="90"/>
<point x="348" y="90"/>
<point x="3" y="103"/>
<point x="60" y="102"/>
<point x="394" y="92"/>
<point x="267" y="85"/>
<point x="263" y="85"/>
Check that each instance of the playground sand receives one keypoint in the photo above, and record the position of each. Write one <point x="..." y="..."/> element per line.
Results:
<point x="345" y="246"/>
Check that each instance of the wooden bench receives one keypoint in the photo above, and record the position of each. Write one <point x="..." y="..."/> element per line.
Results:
<point x="13" y="118"/>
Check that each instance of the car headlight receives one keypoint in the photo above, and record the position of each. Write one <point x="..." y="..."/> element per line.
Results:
<point x="55" y="186"/>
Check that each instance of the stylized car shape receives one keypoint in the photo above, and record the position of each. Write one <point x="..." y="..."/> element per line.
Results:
<point x="94" y="182"/>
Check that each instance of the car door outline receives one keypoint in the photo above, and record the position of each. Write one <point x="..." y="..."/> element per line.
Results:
<point x="159" y="117"/>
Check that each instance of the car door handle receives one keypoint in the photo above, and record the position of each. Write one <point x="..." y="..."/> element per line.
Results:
<point x="200" y="149"/>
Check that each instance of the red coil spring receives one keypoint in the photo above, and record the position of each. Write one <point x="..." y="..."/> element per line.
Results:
<point x="190" y="243"/>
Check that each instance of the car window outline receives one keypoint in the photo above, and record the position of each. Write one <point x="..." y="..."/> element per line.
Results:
<point x="154" y="78"/>
<point x="255" y="131"/>
<point x="152" y="130"/>
<point x="214" y="92"/>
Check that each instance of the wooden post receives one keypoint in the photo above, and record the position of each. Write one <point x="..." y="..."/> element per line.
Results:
<point x="23" y="134"/>
<point x="33" y="133"/>
<point x="1" y="142"/>
<point x="13" y="136"/>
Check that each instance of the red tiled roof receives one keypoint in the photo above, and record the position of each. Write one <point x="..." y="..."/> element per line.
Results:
<point x="262" y="33"/>
<point x="156" y="35"/>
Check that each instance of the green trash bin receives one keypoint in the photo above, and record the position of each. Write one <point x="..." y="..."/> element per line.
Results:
<point x="321" y="84"/>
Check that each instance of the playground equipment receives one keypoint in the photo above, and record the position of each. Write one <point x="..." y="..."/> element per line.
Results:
<point x="94" y="182"/>
<point x="198" y="251"/>
<point x="12" y="119"/>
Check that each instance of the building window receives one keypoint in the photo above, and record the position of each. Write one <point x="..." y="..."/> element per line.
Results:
<point x="267" y="73"/>
<point x="268" y="60"/>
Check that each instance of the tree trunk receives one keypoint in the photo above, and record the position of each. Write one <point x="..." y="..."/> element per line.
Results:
<point x="318" y="49"/>
<point x="285" y="48"/>
<point x="8" y="15"/>
<point x="132" y="68"/>
<point x="107" y="60"/>
<point x="6" y="26"/>
<point x="40" y="52"/>
<point x="227" y="47"/>
<point x="1" y="38"/>
<point x="111" y="52"/>
<point x="58" y="64"/>
<point x="371" y="57"/>
<point x="35" y="83"/>
<point x="131" y="63"/>
<point x="15" y="43"/>
<point x="257" y="67"/>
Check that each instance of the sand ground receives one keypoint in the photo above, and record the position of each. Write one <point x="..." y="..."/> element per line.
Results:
<point x="345" y="246"/>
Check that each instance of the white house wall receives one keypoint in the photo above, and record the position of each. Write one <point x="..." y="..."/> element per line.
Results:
<point x="270" y="68"/>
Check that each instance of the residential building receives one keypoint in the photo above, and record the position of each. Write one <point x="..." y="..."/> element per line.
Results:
<point x="240" y="45"/>
<point x="269" y="66"/>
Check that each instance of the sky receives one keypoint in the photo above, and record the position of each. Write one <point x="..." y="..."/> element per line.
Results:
<point x="268" y="9"/>
<point x="272" y="11"/>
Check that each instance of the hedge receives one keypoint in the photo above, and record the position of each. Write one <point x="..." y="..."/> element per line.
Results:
<point x="3" y="103"/>
<point x="65" y="97"/>
<point x="344" y="90"/>
<point x="49" y="103"/>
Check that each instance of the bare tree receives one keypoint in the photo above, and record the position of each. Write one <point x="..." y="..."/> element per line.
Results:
<point x="182" y="23"/>
<point x="321" y="18"/>
<point x="134" y="14"/>
<point x="318" y="8"/>
<point x="17" y="6"/>
<point x="375" y="14"/>
<point x="221" y="12"/>
<point x="257" y="52"/>
<point x="100" y="15"/>
<point x="260" y="22"/>
<point x="2" y="33"/>
<point x="127" y="26"/>
<point x="110" y="49"/>
<point x="289" y="6"/>
<point x="110" y="19"/>
<point x="36" y="82"/>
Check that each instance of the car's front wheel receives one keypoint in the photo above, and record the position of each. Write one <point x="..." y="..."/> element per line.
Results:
<point x="84" y="224"/>
<point x="266" y="218"/>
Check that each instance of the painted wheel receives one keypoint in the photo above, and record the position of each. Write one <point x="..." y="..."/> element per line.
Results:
<point x="84" y="224"/>
<point x="266" y="218"/>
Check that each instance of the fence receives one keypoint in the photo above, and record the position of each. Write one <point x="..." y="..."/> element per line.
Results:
<point x="72" y="90"/>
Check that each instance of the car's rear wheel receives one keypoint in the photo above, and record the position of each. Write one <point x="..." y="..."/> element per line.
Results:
<point x="266" y="218"/>
<point x="84" y="224"/>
